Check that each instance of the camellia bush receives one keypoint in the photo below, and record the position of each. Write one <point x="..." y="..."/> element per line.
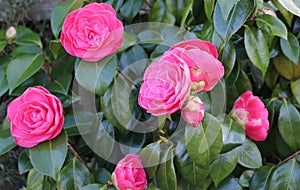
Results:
<point x="155" y="94"/>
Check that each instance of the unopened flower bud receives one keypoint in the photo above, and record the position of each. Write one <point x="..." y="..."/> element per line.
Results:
<point x="268" y="12"/>
<point x="193" y="111"/>
<point x="11" y="34"/>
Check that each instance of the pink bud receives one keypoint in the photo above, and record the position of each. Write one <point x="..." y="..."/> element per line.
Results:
<point x="269" y="12"/>
<point x="11" y="34"/>
<point x="193" y="111"/>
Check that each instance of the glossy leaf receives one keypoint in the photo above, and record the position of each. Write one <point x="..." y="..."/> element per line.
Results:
<point x="292" y="6"/>
<point x="204" y="143"/>
<point x="245" y="178"/>
<point x="129" y="40"/>
<point x="132" y="142"/>
<point x="272" y="25"/>
<point x="229" y="183"/>
<point x="228" y="57"/>
<point x="24" y="163"/>
<point x="188" y="169"/>
<point x="59" y="13"/>
<point x="166" y="176"/>
<point x="29" y="39"/>
<point x="218" y="98"/>
<point x="94" y="186"/>
<point x="286" y="176"/>
<point x="226" y="6"/>
<point x="176" y="7"/>
<point x="285" y="13"/>
<point x="34" y="180"/>
<point x="209" y="6"/>
<point x="261" y="178"/>
<point x="223" y="166"/>
<point x="286" y="67"/>
<point x="290" y="48"/>
<point x="73" y="176"/>
<point x="102" y="176"/>
<point x="238" y="16"/>
<point x="96" y="76"/>
<point x="150" y="156"/>
<point x="233" y="134"/>
<point x="257" y="48"/>
<point x="249" y="155"/>
<point x="288" y="124"/>
<point x="48" y="157"/>
<point x="295" y="89"/>
<point x="130" y="9"/>
<point x="22" y="68"/>
<point x="160" y="13"/>
<point x="3" y="83"/>
<point x="7" y="142"/>
<point x="55" y="47"/>
<point x="2" y="45"/>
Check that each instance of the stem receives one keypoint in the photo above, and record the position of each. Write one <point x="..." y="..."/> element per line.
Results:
<point x="148" y="4"/>
<point x="78" y="157"/>
<point x="288" y="158"/>
<point x="47" y="67"/>
<point x="126" y="77"/>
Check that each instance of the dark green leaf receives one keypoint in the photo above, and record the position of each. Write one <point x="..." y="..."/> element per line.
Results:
<point x="226" y="6"/>
<point x="150" y="156"/>
<point x="24" y="163"/>
<point x="160" y="13"/>
<point x="218" y="98"/>
<point x="3" y="83"/>
<point x="7" y="142"/>
<point x="188" y="169"/>
<point x="2" y="45"/>
<point x="59" y="13"/>
<point x="34" y="180"/>
<point x="229" y="183"/>
<point x="135" y="55"/>
<point x="245" y="178"/>
<point x="228" y="57"/>
<point x="129" y="40"/>
<point x="130" y="9"/>
<point x="96" y="76"/>
<point x="290" y="48"/>
<point x="70" y="125"/>
<point x="132" y="142"/>
<point x="238" y="16"/>
<point x="272" y="25"/>
<point x="22" y="68"/>
<point x="74" y="176"/>
<point x="261" y="178"/>
<point x="288" y="124"/>
<point x="249" y="155"/>
<point x="48" y="157"/>
<point x="209" y="8"/>
<point x="93" y="187"/>
<point x="292" y="6"/>
<point x="186" y="11"/>
<point x="28" y="39"/>
<point x="223" y="166"/>
<point x="116" y="4"/>
<point x="166" y="176"/>
<point x="204" y="143"/>
<point x="102" y="176"/>
<point x="233" y="134"/>
<point x="295" y="89"/>
<point x="286" y="67"/>
<point x="176" y="7"/>
<point x="257" y="48"/>
<point x="49" y="183"/>
<point x="285" y="13"/>
<point x="286" y="176"/>
<point x="26" y="49"/>
<point x="55" y="47"/>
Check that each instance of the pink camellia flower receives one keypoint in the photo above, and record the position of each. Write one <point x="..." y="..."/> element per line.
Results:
<point x="251" y="110"/>
<point x="202" y="59"/>
<point x="92" y="32"/>
<point x="130" y="174"/>
<point x="269" y="12"/>
<point x="165" y="88"/>
<point x="35" y="116"/>
<point x="193" y="111"/>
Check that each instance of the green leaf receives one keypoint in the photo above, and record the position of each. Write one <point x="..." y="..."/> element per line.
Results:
<point x="238" y="16"/>
<point x="295" y="89"/>
<point x="245" y="178"/>
<point x="223" y="166"/>
<point x="257" y="48"/>
<point x="2" y="45"/>
<point x="7" y="142"/>
<point x="285" y="13"/>
<point x="209" y="6"/>
<point x="102" y="176"/>
<point x="70" y="125"/>
<point x="59" y="13"/>
<point x="130" y="39"/>
<point x="55" y="47"/>
<point x="292" y="6"/>
<point x="96" y="76"/>
<point x="31" y="38"/>
<point x="288" y="124"/>
<point x="229" y="183"/>
<point x="166" y="175"/>
<point x="49" y="183"/>
<point x="74" y="176"/>
<point x="272" y="25"/>
<point x="228" y="57"/>
<point x="176" y="7"/>
<point x="130" y="9"/>
<point x="132" y="142"/>
<point x="226" y="6"/>
<point x="150" y="156"/>
<point x="48" y="157"/>
<point x="160" y="13"/>
<point x="290" y="48"/>
<point x="137" y="55"/>
<point x="187" y="8"/>
<point x="93" y="187"/>
<point x="218" y="98"/>
<point x="286" y="67"/>
<point x="286" y="176"/>
<point x="249" y="155"/>
<point x="26" y="49"/>
<point x="116" y="4"/>
<point x="3" y="83"/>
<point x="261" y="178"/>
<point x="188" y="169"/>
<point x="24" y="163"/>
<point x="233" y="134"/>
<point x="204" y="143"/>
<point x="34" y="180"/>
<point x="22" y="68"/>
